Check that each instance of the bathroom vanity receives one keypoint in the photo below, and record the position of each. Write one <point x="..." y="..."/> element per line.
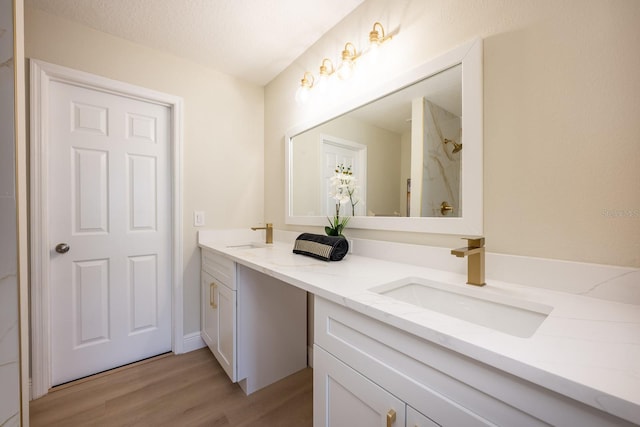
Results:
<point x="245" y="326"/>
<point x="380" y="360"/>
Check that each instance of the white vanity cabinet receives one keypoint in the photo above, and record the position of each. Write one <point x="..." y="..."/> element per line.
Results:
<point x="219" y="310"/>
<point x="344" y="397"/>
<point x="416" y="419"/>
<point x="254" y="324"/>
<point x="364" y="368"/>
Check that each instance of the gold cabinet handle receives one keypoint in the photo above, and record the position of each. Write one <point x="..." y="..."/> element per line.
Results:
<point x="212" y="297"/>
<point x="391" y="417"/>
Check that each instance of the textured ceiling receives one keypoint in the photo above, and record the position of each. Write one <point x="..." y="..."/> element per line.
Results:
<point x="251" y="39"/>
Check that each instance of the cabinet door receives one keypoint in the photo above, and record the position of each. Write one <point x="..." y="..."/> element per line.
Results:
<point x="219" y="322"/>
<point x="416" y="419"/>
<point x="345" y="398"/>
<point x="208" y="323"/>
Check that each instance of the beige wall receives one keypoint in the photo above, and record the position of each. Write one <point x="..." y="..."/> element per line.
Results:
<point x="223" y="127"/>
<point x="561" y="128"/>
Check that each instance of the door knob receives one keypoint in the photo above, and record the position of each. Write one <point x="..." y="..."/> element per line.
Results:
<point x="62" y="248"/>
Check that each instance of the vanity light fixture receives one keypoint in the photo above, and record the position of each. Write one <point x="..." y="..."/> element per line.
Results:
<point x="326" y="70"/>
<point x="345" y="68"/>
<point x="349" y="56"/>
<point x="304" y="91"/>
<point x="376" y="38"/>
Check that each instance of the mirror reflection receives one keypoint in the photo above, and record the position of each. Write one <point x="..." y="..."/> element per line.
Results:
<point x="403" y="152"/>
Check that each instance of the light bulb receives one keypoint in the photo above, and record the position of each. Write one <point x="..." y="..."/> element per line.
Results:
<point x="376" y="38"/>
<point x="349" y="55"/>
<point x="326" y="70"/>
<point x="323" y="84"/>
<point x="374" y="52"/>
<point x="303" y="94"/>
<point x="304" y="91"/>
<point x="345" y="70"/>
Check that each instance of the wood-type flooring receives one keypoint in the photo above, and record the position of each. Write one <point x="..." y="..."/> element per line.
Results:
<point x="190" y="389"/>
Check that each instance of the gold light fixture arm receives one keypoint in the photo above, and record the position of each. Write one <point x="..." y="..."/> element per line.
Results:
<point x="376" y="36"/>
<point x="326" y="70"/>
<point x="349" y="56"/>
<point x="307" y="80"/>
<point x="350" y="53"/>
<point x="304" y="90"/>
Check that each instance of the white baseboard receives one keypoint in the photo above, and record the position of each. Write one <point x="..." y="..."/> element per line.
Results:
<point x="192" y="342"/>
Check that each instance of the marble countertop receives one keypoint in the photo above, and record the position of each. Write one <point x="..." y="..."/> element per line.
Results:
<point x="587" y="348"/>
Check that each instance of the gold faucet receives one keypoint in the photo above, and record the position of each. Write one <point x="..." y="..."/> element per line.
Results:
<point x="269" y="228"/>
<point x="475" y="263"/>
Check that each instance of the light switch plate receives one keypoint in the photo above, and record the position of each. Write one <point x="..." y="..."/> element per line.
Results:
<point x="198" y="218"/>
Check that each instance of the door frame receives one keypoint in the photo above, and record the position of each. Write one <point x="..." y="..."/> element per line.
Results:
<point x="361" y="153"/>
<point x="42" y="74"/>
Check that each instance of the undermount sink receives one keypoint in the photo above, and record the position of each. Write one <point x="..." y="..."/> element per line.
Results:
<point x="251" y="245"/>
<point x="515" y="317"/>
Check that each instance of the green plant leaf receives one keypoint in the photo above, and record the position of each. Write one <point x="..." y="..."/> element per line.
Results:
<point x="330" y="231"/>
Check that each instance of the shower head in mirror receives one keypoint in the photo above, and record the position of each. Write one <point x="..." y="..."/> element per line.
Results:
<point x="456" y="147"/>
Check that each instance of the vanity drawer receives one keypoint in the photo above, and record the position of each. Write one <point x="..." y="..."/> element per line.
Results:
<point x="369" y="347"/>
<point x="450" y="388"/>
<point x="219" y="267"/>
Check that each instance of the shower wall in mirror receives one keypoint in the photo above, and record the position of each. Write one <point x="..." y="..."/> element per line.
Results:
<point x="441" y="166"/>
<point x="9" y="326"/>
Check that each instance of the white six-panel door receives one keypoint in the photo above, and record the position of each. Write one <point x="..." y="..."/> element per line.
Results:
<point x="109" y="200"/>
<point x="337" y="151"/>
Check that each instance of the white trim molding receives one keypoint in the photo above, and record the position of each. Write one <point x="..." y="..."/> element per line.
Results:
<point x="42" y="74"/>
<point x="193" y="341"/>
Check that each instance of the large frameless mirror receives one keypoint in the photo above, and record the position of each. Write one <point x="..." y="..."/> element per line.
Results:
<point x="413" y="150"/>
